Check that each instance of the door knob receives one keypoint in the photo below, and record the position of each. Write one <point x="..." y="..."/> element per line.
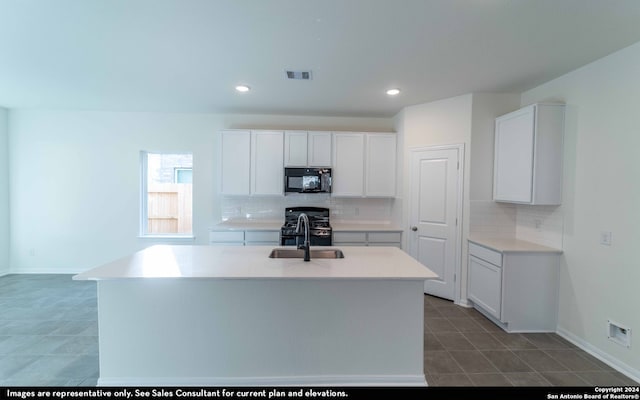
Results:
<point x="414" y="228"/>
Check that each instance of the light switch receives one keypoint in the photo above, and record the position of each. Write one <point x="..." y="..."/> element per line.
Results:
<point x="605" y="238"/>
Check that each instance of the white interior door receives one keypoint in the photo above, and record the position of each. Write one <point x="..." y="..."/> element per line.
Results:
<point x="434" y="213"/>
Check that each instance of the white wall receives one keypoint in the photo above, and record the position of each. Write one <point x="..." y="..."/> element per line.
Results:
<point x="437" y="123"/>
<point x="601" y="193"/>
<point x="486" y="107"/>
<point x="74" y="178"/>
<point x="4" y="192"/>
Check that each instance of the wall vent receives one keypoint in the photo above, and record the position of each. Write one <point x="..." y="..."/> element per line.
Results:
<point x="619" y="334"/>
<point x="299" y="75"/>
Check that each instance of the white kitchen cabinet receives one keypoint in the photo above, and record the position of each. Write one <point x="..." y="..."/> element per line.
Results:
<point x="244" y="238"/>
<point x="295" y="148"/>
<point x="380" y="179"/>
<point x="267" y="174"/>
<point x="485" y="285"/>
<point x="307" y="149"/>
<point x="364" y="165"/>
<point x="319" y="149"/>
<point x="518" y="290"/>
<point x="364" y="238"/>
<point x="528" y="155"/>
<point x="226" y="238"/>
<point x="236" y="161"/>
<point x="347" y="174"/>
<point x="262" y="238"/>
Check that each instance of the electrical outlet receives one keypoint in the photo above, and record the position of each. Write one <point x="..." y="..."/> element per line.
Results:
<point x="32" y="252"/>
<point x="605" y="238"/>
<point x="538" y="223"/>
<point x="619" y="334"/>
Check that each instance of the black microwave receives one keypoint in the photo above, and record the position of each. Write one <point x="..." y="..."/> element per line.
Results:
<point x="307" y="180"/>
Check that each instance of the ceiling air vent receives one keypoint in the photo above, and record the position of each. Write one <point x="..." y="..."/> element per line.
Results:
<point x="301" y="75"/>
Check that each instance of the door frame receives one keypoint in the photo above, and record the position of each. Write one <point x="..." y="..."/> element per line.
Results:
<point x="460" y="200"/>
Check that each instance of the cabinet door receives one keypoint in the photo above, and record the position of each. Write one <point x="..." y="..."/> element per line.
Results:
<point x="267" y="173"/>
<point x="348" y="165"/>
<point x="513" y="167"/>
<point x="236" y="161"/>
<point x="381" y="166"/>
<point x="295" y="149"/>
<point x="319" y="150"/>
<point x="485" y="285"/>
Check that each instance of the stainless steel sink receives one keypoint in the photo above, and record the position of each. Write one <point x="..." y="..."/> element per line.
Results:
<point x="295" y="253"/>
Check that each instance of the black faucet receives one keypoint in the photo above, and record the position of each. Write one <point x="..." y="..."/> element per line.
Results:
<point x="306" y="245"/>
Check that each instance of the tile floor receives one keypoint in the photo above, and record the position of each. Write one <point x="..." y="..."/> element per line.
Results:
<point x="48" y="331"/>
<point x="463" y="348"/>
<point x="48" y="337"/>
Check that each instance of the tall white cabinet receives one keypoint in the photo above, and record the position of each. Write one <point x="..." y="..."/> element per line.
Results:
<point x="528" y="155"/>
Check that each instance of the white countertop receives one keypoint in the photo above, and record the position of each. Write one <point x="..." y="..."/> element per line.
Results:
<point x="252" y="262"/>
<point x="270" y="225"/>
<point x="512" y="245"/>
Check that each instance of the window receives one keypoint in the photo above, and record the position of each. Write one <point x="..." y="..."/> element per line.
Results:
<point x="166" y="194"/>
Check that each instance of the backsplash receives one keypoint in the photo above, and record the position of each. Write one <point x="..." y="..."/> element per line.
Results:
<point x="538" y="224"/>
<point x="272" y="208"/>
<point x="491" y="219"/>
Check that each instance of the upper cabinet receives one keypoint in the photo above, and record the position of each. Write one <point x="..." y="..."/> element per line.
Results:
<point x="267" y="174"/>
<point x="307" y="149"/>
<point x="236" y="162"/>
<point x="319" y="149"/>
<point x="380" y="177"/>
<point x="252" y="163"/>
<point x="528" y="155"/>
<point x="347" y="174"/>
<point x="364" y="165"/>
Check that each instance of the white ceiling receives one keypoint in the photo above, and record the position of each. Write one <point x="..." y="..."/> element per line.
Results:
<point x="187" y="55"/>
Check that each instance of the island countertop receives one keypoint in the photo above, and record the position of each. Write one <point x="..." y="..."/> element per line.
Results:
<point x="253" y="262"/>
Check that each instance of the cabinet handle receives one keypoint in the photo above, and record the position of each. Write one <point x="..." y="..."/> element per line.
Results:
<point x="414" y="228"/>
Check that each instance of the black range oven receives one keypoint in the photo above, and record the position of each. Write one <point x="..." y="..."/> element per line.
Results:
<point x="319" y="229"/>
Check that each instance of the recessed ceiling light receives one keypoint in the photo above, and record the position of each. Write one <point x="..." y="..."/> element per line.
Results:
<point x="393" y="92"/>
<point x="242" y="88"/>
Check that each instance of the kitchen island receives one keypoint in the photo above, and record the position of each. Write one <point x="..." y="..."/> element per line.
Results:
<point x="208" y="315"/>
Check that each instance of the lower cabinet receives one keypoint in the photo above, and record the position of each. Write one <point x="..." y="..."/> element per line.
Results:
<point x="486" y="289"/>
<point x="242" y="238"/>
<point x="361" y="238"/>
<point x="517" y="290"/>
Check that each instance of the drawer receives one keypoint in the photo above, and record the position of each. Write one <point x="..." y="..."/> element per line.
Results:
<point x="226" y="236"/>
<point x="350" y="237"/>
<point x="385" y="237"/>
<point x="262" y="236"/>
<point x="492" y="256"/>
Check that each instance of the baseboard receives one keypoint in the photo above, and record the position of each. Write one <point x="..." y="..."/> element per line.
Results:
<point x="600" y="355"/>
<point x="319" y="380"/>
<point x="464" y="303"/>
